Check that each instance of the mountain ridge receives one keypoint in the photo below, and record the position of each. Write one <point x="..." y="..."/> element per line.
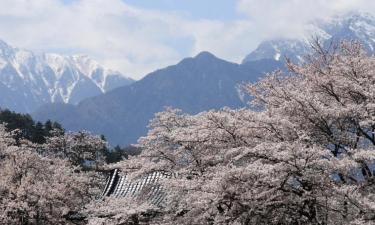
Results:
<point x="194" y="84"/>
<point x="353" y="25"/>
<point x="32" y="80"/>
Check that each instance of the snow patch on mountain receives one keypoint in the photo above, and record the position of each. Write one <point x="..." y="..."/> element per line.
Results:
<point x="351" y="26"/>
<point x="35" y="79"/>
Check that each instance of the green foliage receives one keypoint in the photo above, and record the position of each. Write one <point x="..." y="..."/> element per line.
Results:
<point x="28" y="129"/>
<point x="117" y="153"/>
<point x="37" y="132"/>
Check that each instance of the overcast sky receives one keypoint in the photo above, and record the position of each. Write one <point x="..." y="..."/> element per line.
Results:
<point x="139" y="36"/>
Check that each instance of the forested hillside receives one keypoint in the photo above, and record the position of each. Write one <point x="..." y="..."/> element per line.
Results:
<point x="23" y="127"/>
<point x="27" y="128"/>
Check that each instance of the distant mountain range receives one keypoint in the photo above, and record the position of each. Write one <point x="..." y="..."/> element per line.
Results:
<point x="197" y="84"/>
<point x="193" y="85"/>
<point x="29" y="80"/>
<point x="352" y="26"/>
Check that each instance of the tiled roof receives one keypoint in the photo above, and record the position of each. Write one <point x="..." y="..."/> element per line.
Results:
<point x="147" y="187"/>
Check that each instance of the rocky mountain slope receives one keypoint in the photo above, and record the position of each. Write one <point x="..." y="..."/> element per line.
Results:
<point x="29" y="80"/>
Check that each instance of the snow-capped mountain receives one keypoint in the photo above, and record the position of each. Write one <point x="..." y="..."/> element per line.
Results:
<point x="278" y="50"/>
<point x="352" y="26"/>
<point x="29" y="80"/>
<point x="195" y="84"/>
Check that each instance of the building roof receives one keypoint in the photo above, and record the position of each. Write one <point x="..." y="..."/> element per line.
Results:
<point x="146" y="187"/>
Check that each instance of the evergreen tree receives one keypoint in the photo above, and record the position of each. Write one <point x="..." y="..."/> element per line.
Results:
<point x="57" y="127"/>
<point x="38" y="135"/>
<point x="115" y="155"/>
<point x="26" y="128"/>
<point x="23" y="122"/>
<point x="48" y="127"/>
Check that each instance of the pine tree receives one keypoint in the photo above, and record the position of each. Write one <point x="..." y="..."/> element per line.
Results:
<point x="48" y="128"/>
<point x="38" y="135"/>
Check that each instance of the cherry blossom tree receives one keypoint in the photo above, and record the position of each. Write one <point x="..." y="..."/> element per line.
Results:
<point x="80" y="148"/>
<point x="302" y="154"/>
<point x="120" y="211"/>
<point x="36" y="189"/>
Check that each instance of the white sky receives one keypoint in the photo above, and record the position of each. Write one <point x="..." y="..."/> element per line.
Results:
<point x="139" y="36"/>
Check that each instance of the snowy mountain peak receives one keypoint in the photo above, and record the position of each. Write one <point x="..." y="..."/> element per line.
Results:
<point x="85" y="63"/>
<point x="278" y="50"/>
<point x="5" y="49"/>
<point x="350" y="18"/>
<point x="355" y="25"/>
<point x="28" y="80"/>
<point x="4" y="45"/>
